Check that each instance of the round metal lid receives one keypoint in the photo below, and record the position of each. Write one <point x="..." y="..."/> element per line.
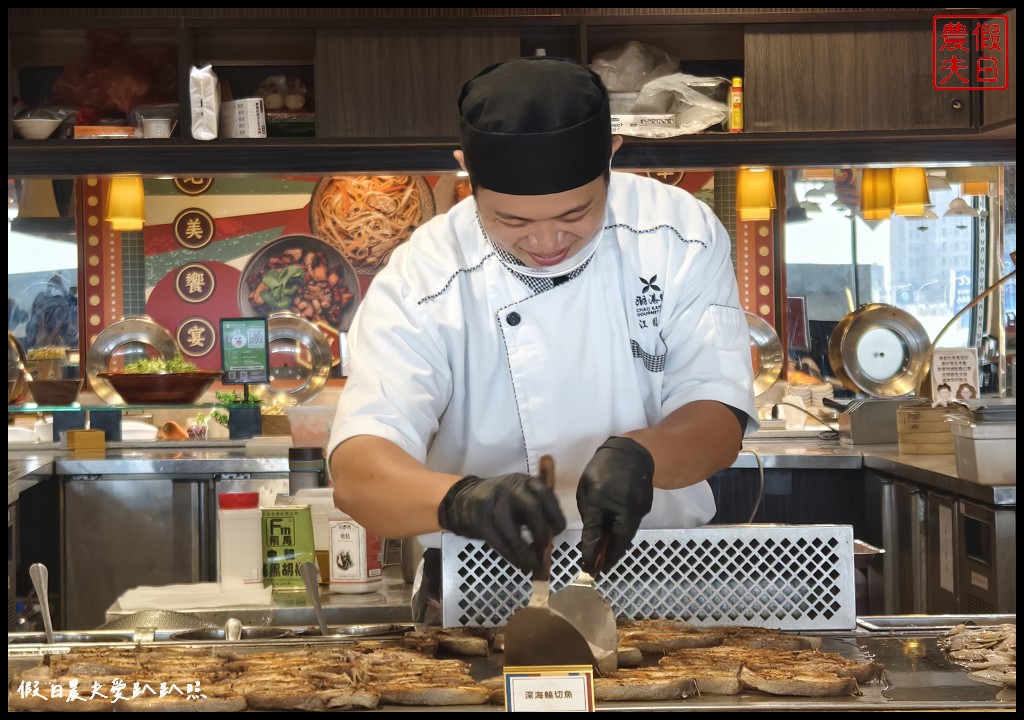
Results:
<point x="134" y="329"/>
<point x="17" y="374"/>
<point x="765" y="353"/>
<point x="882" y="350"/>
<point x="306" y="364"/>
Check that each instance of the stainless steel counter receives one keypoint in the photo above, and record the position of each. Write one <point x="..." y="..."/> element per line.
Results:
<point x="169" y="461"/>
<point x="937" y="471"/>
<point x="24" y="470"/>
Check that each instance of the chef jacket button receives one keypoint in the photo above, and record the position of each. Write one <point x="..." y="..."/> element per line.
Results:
<point x="513" y="318"/>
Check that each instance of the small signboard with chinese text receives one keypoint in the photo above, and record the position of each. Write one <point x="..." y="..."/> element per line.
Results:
<point x="244" y="349"/>
<point x="549" y="688"/>
<point x="954" y="375"/>
<point x="970" y="52"/>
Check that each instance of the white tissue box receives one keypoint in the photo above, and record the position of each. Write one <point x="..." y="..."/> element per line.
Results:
<point x="244" y="118"/>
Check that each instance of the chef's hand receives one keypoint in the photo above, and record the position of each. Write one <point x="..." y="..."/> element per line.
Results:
<point x="615" y="492"/>
<point x="496" y="509"/>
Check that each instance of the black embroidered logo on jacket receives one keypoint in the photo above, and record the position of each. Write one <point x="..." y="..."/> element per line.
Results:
<point x="648" y="303"/>
<point x="649" y="284"/>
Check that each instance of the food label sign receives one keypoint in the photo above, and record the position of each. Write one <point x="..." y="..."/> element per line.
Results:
<point x="245" y="356"/>
<point x="549" y="688"/>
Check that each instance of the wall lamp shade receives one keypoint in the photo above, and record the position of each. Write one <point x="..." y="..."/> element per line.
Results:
<point x="959" y="207"/>
<point x="755" y="194"/>
<point x="909" y="191"/>
<point x="973" y="180"/>
<point x="126" y="204"/>
<point x="876" y="194"/>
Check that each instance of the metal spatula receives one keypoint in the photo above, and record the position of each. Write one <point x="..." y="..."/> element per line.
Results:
<point x="537" y="634"/>
<point x="41" y="583"/>
<point x="591" y="614"/>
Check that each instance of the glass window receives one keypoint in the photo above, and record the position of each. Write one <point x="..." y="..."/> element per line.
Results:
<point x="42" y="261"/>
<point x="931" y="265"/>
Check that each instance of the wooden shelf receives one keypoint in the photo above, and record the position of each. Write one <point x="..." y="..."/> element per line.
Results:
<point x="68" y="158"/>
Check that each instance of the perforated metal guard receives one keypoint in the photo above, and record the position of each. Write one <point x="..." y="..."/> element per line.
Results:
<point x="786" y="577"/>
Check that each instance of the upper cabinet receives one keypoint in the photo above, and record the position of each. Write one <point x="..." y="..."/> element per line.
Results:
<point x="375" y="83"/>
<point x="999" y="107"/>
<point x="864" y="77"/>
<point x="379" y="86"/>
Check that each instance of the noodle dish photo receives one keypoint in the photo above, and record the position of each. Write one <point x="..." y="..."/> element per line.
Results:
<point x="366" y="217"/>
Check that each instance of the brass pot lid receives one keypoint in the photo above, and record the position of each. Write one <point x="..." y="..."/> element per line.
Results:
<point x="132" y="330"/>
<point x="301" y="360"/>
<point x="882" y="350"/>
<point x="835" y="358"/>
<point x="765" y="353"/>
<point x="17" y="372"/>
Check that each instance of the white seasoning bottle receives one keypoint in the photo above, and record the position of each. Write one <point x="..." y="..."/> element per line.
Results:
<point x="239" y="539"/>
<point x="357" y="556"/>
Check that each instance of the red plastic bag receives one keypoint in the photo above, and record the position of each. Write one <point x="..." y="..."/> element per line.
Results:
<point x="116" y="75"/>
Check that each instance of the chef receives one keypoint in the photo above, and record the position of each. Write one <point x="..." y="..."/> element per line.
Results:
<point x="562" y="309"/>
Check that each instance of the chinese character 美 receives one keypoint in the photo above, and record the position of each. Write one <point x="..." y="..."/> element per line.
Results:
<point x="194" y="229"/>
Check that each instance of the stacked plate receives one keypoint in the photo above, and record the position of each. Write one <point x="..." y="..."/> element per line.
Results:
<point x="801" y="391"/>
<point x="819" y="392"/>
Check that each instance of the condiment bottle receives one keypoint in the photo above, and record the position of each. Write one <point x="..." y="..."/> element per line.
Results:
<point x="357" y="556"/>
<point x="239" y="546"/>
<point x="736" y="105"/>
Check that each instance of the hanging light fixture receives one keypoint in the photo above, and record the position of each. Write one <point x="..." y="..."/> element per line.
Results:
<point x="126" y="203"/>
<point x="909" y="191"/>
<point x="876" y="193"/>
<point x="755" y="194"/>
<point x="959" y="208"/>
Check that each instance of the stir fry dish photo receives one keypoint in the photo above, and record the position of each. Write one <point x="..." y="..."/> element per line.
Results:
<point x="301" y="275"/>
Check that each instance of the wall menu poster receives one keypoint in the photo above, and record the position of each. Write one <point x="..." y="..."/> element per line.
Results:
<point x="954" y="375"/>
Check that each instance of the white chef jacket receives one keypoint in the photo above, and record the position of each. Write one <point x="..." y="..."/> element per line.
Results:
<point x="458" y="362"/>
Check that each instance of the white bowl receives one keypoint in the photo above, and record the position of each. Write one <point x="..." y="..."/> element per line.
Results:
<point x="136" y="430"/>
<point x="36" y="128"/>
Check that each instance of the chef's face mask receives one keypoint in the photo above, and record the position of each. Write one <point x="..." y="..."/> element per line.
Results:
<point x="550" y="234"/>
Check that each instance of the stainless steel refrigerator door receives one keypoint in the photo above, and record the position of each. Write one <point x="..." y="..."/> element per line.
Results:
<point x="125" y="531"/>
<point x="943" y="549"/>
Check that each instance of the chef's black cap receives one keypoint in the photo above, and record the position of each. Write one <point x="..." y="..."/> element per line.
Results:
<point x="535" y="126"/>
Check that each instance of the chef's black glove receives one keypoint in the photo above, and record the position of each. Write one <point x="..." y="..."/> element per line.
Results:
<point x="615" y="492"/>
<point x="496" y="509"/>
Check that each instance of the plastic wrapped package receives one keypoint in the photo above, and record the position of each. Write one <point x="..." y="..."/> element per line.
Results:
<point x="204" y="99"/>
<point x="649" y="97"/>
